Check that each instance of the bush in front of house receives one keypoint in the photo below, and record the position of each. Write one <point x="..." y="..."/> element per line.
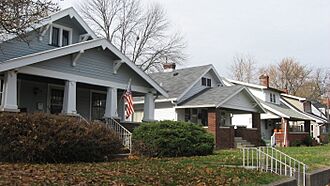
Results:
<point x="52" y="139"/>
<point x="172" y="139"/>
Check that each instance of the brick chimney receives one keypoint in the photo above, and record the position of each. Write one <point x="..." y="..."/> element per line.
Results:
<point x="169" y="67"/>
<point x="264" y="80"/>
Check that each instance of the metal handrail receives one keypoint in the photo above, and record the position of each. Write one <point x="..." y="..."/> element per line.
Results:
<point x="124" y="134"/>
<point x="273" y="160"/>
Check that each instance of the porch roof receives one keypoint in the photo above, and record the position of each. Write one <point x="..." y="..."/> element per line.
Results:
<point x="284" y="111"/>
<point x="219" y="96"/>
<point x="77" y="48"/>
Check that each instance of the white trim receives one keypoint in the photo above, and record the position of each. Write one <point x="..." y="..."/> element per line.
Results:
<point x="117" y="65"/>
<point x="250" y="95"/>
<point x="156" y="101"/>
<point x="294" y="97"/>
<point x="81" y="79"/>
<point x="75" y="58"/>
<point x="56" y="16"/>
<point x="62" y="51"/>
<point x="60" y="34"/>
<point x="1" y="92"/>
<point x="194" y="106"/>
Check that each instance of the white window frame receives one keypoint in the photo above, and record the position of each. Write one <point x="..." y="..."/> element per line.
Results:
<point x="1" y="90"/>
<point x="61" y="28"/>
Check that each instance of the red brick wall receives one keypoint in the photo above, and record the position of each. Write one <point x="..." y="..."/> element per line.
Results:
<point x="225" y="138"/>
<point x="299" y="136"/>
<point x="250" y="135"/>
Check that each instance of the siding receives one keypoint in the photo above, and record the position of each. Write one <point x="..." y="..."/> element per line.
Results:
<point x="94" y="63"/>
<point x="15" y="48"/>
<point x="241" y="101"/>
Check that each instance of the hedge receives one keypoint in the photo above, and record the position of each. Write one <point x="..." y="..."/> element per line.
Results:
<point x="171" y="139"/>
<point x="50" y="138"/>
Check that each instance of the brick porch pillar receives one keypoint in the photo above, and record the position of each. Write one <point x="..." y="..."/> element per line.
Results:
<point x="256" y="123"/>
<point x="213" y="125"/>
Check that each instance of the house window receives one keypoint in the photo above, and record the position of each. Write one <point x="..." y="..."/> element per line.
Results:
<point x="55" y="36"/>
<point x="1" y="90"/>
<point x="65" y="38"/>
<point x="60" y="35"/>
<point x="206" y="82"/>
<point x="272" y="98"/>
<point x="98" y="105"/>
<point x="203" y="81"/>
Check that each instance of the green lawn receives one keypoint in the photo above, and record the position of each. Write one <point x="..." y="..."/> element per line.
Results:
<point x="206" y="170"/>
<point x="315" y="157"/>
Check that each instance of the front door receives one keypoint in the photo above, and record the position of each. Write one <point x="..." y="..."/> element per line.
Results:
<point x="98" y="105"/>
<point x="56" y="100"/>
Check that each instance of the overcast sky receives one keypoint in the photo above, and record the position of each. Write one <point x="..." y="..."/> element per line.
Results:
<point x="268" y="30"/>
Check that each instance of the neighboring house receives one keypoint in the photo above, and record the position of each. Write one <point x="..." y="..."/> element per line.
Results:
<point x="279" y="117"/>
<point x="198" y="95"/>
<point x="319" y="121"/>
<point x="66" y="69"/>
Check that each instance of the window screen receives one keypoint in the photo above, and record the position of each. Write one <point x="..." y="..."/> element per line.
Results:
<point x="55" y="36"/>
<point x="65" y="38"/>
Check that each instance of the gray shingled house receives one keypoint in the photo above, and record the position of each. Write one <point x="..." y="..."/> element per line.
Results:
<point x="198" y="95"/>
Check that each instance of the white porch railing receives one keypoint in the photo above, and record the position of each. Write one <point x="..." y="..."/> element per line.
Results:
<point x="124" y="134"/>
<point x="269" y="159"/>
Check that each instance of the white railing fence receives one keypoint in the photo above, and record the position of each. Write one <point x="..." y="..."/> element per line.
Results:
<point x="269" y="159"/>
<point x="124" y="134"/>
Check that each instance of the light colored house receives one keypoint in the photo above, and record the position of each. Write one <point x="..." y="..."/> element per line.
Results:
<point x="198" y="95"/>
<point x="319" y="121"/>
<point x="66" y="69"/>
<point x="279" y="116"/>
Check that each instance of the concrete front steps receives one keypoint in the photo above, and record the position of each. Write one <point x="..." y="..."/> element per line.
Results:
<point x="241" y="143"/>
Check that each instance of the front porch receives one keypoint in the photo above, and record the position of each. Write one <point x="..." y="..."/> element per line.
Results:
<point x="22" y="92"/>
<point x="218" y="121"/>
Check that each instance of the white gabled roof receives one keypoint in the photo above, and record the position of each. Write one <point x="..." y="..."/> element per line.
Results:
<point x="294" y="97"/>
<point x="74" y="48"/>
<point x="56" y="16"/>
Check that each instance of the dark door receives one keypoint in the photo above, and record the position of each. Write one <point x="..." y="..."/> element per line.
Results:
<point x="56" y="100"/>
<point x="98" y="105"/>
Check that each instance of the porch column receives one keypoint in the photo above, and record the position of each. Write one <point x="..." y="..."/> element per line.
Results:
<point x="149" y="107"/>
<point x="69" y="100"/>
<point x="285" y="128"/>
<point x="111" y="103"/>
<point x="9" y="97"/>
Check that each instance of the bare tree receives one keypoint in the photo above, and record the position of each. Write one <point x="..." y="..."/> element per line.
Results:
<point x="316" y="86"/>
<point x="289" y="74"/>
<point x="141" y="35"/>
<point x="17" y="17"/>
<point x="243" y="68"/>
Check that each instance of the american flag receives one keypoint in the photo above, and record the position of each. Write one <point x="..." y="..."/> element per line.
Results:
<point x="129" y="110"/>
